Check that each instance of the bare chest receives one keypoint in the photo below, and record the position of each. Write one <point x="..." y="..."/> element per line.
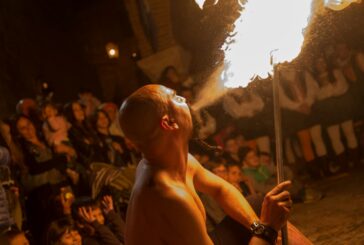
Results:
<point x="197" y="201"/>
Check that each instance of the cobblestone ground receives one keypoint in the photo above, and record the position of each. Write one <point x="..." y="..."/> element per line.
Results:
<point x="339" y="217"/>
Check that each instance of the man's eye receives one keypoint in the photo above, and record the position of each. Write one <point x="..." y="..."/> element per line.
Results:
<point x="180" y="99"/>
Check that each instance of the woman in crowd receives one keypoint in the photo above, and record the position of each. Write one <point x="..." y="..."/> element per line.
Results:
<point x="334" y="109"/>
<point x="83" y="136"/>
<point x="117" y="150"/>
<point x="297" y="94"/>
<point x="44" y="169"/>
<point x="111" y="110"/>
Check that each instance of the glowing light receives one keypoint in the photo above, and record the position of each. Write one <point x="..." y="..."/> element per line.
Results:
<point x="112" y="52"/>
<point x="263" y="27"/>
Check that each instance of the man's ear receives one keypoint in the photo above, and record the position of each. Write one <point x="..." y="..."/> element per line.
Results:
<point x="168" y="123"/>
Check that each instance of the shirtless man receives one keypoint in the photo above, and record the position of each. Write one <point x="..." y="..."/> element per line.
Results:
<point x="164" y="207"/>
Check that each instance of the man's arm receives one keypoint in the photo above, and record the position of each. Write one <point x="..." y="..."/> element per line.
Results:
<point x="228" y="197"/>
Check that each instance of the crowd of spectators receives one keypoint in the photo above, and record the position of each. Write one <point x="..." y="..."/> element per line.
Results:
<point x="67" y="170"/>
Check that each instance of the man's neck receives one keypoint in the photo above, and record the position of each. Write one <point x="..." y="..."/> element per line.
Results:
<point x="173" y="160"/>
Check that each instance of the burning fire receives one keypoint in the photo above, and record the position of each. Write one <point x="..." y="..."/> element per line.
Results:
<point x="267" y="26"/>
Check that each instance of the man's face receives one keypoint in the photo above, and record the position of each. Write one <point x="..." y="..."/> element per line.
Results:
<point x="234" y="174"/>
<point x="26" y="129"/>
<point x="252" y="160"/>
<point x="102" y="121"/>
<point x="188" y="95"/>
<point x="231" y="146"/>
<point x="265" y="159"/>
<point x="70" y="238"/>
<point x="19" y="240"/>
<point x="97" y="214"/>
<point x="49" y="111"/>
<point x="221" y="171"/>
<point x="181" y="111"/>
<point x="78" y="112"/>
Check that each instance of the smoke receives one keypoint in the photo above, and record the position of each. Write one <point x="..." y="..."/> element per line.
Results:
<point x="212" y="90"/>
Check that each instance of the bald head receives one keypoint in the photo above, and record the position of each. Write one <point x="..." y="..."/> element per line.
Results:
<point x="141" y="112"/>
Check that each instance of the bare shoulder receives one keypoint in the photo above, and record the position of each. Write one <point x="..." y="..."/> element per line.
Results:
<point x="193" y="164"/>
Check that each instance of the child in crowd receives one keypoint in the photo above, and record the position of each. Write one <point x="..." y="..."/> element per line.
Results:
<point x="98" y="224"/>
<point x="263" y="177"/>
<point x="63" y="232"/>
<point x="237" y="179"/>
<point x="14" y="237"/>
<point x="55" y="130"/>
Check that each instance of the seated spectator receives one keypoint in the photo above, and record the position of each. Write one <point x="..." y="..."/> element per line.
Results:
<point x="112" y="111"/>
<point x="264" y="177"/>
<point x="232" y="151"/>
<point x="44" y="170"/>
<point x="6" y="220"/>
<point x="55" y="130"/>
<point x="14" y="237"/>
<point x="171" y="78"/>
<point x="10" y="207"/>
<point x="117" y="151"/>
<point x="29" y="108"/>
<point x="237" y="179"/>
<point x="223" y="135"/>
<point x="43" y="166"/>
<point x="60" y="201"/>
<point x="26" y="106"/>
<point x="92" y="221"/>
<point x="243" y="142"/>
<point x="88" y="100"/>
<point x="7" y="140"/>
<point x="63" y="232"/>
<point x="84" y="138"/>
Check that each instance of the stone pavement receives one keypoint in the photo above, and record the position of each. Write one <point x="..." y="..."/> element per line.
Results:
<point x="339" y="217"/>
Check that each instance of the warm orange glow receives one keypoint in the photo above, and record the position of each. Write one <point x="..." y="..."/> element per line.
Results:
<point x="263" y="27"/>
<point x="112" y="52"/>
<point x="268" y="27"/>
